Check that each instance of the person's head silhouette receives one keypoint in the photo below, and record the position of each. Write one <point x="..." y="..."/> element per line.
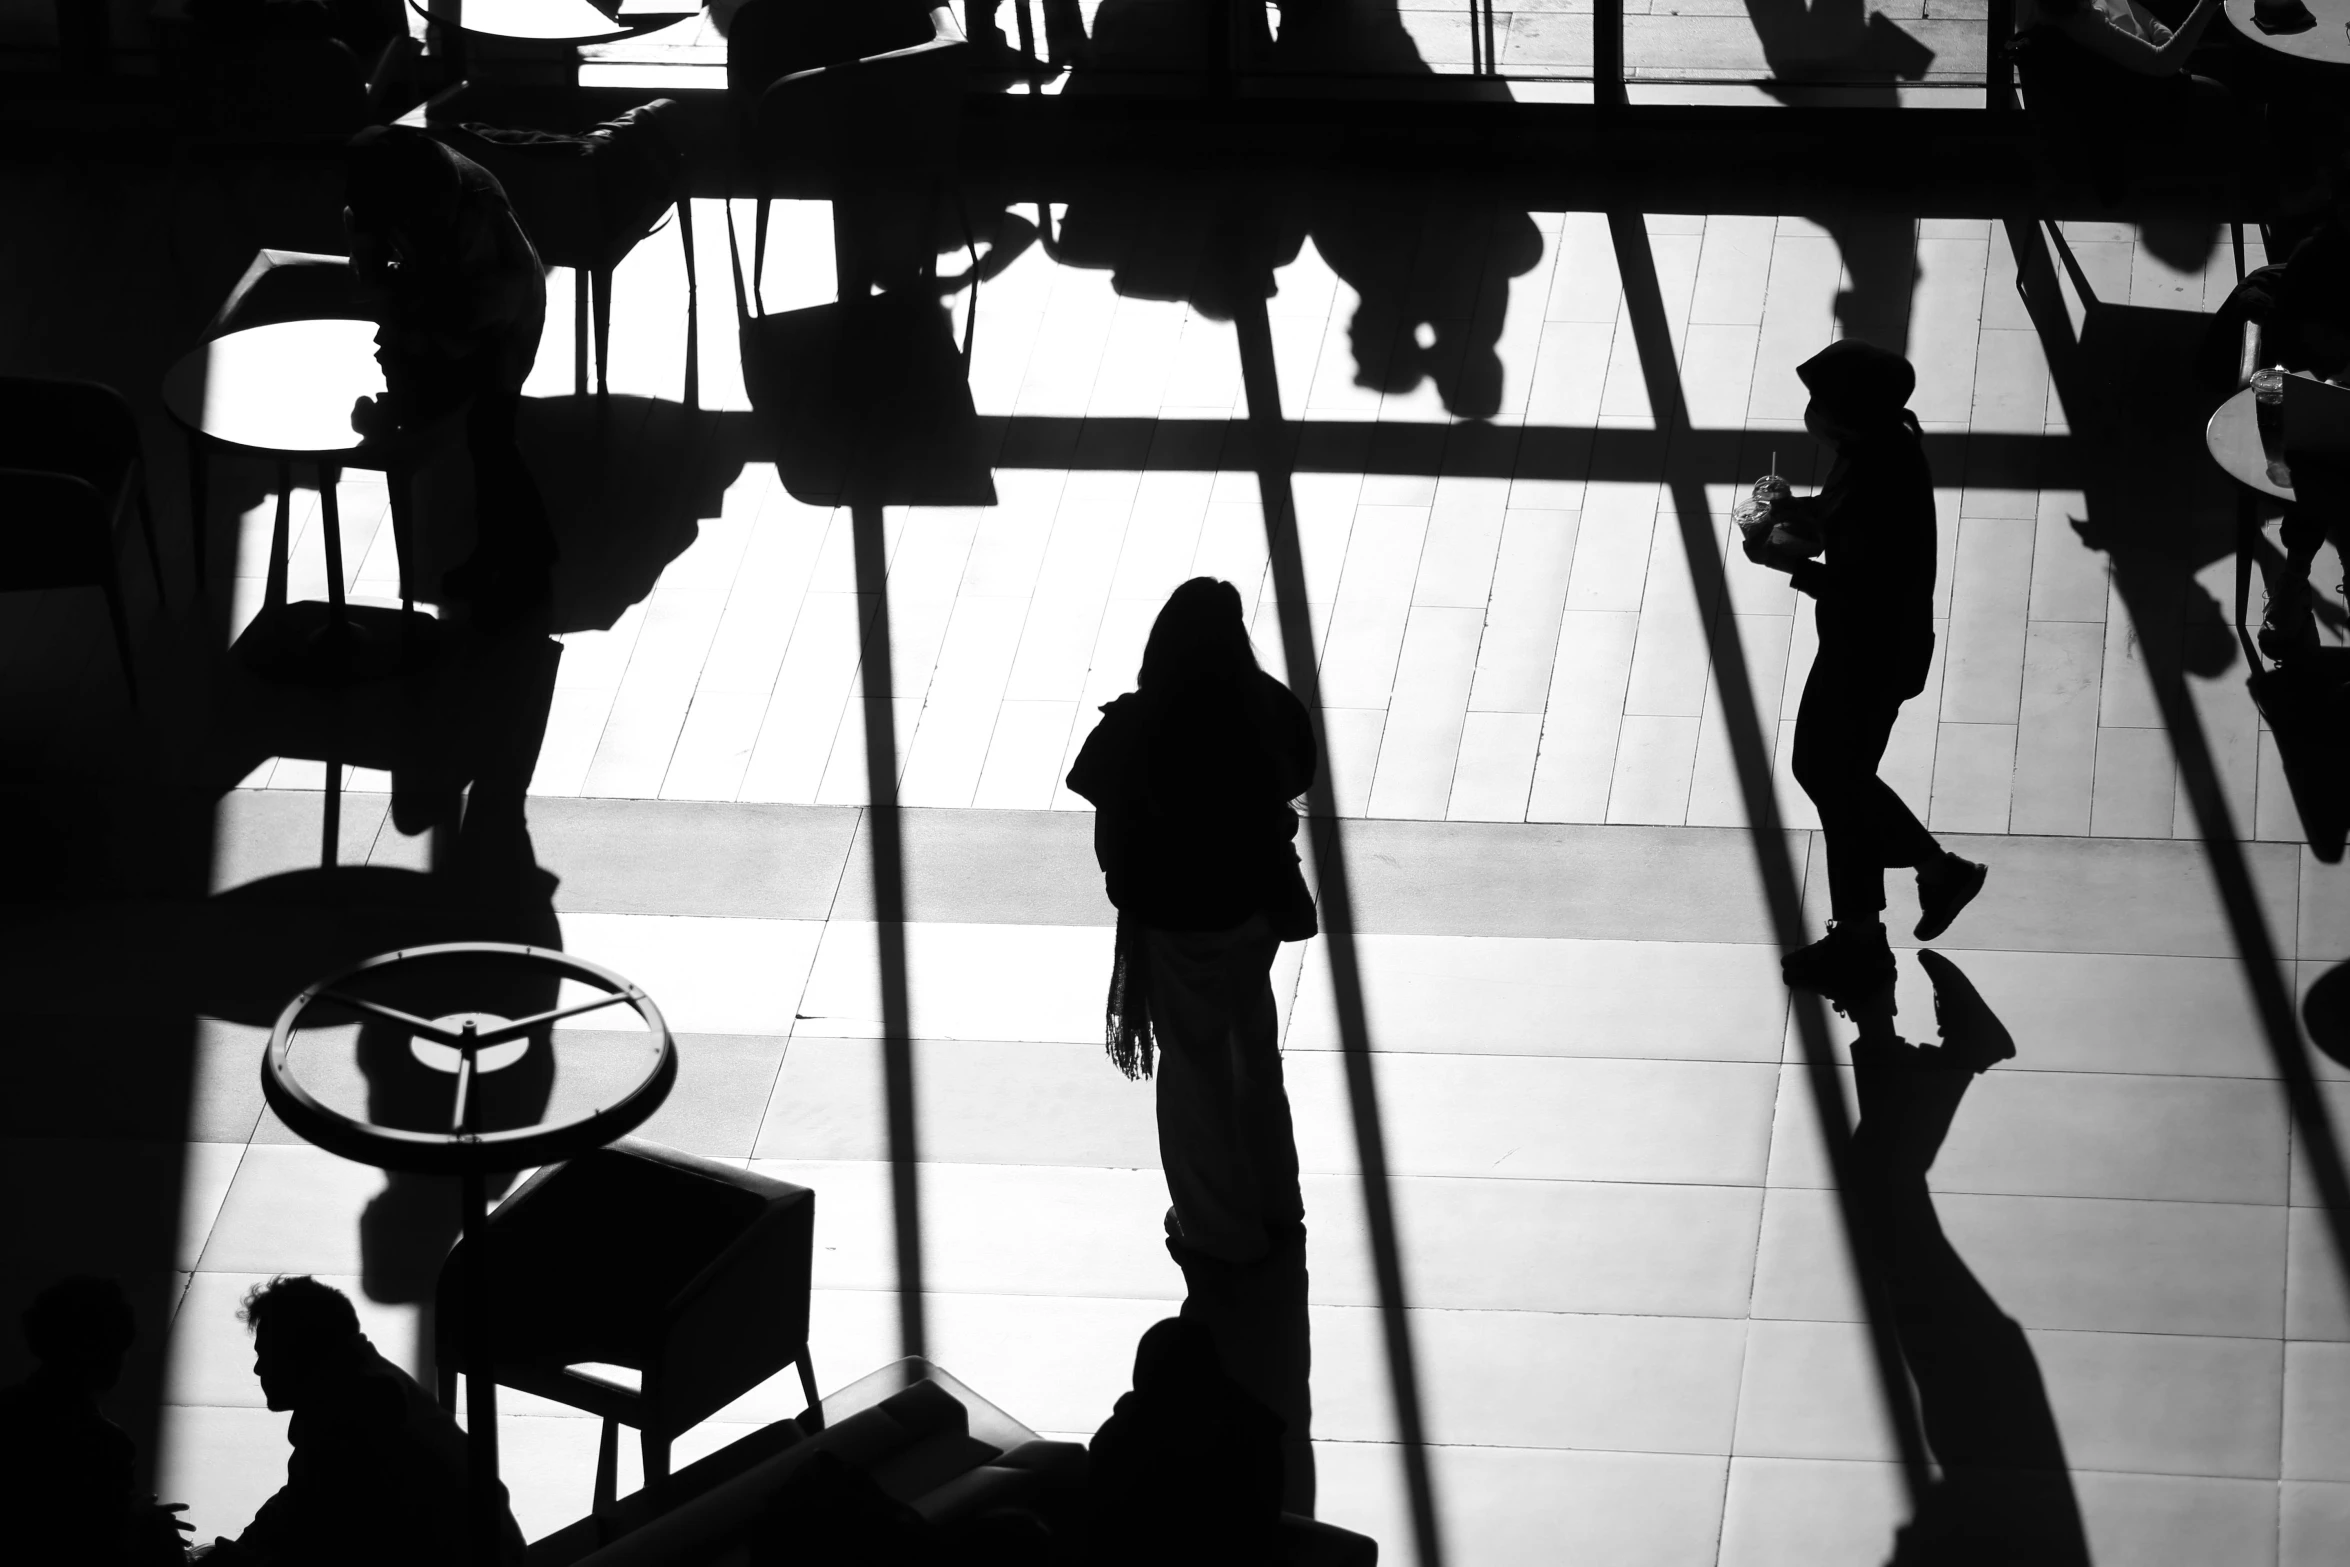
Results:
<point x="1201" y="633"/>
<point x="302" y="1332"/>
<point x="79" y="1329"/>
<point x="1857" y="390"/>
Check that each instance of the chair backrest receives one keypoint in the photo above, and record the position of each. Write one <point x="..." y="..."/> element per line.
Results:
<point x="585" y="200"/>
<point x="73" y="427"/>
<point x="291" y="285"/>
<point x="54" y="531"/>
<point x="770" y="39"/>
<point x="894" y="112"/>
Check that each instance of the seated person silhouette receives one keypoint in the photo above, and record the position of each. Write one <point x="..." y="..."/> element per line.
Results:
<point x="377" y="1475"/>
<point x="65" y="1469"/>
<point x="1188" y="1467"/>
<point x="2303" y="306"/>
<point x="461" y="298"/>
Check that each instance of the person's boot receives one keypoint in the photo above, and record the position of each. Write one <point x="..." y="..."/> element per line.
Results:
<point x="1946" y="886"/>
<point x="1852" y="959"/>
<point x="2288" y="628"/>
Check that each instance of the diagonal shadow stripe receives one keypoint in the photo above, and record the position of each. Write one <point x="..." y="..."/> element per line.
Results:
<point x="1644" y="304"/>
<point x="1607" y="453"/>
<point x="1270" y="447"/>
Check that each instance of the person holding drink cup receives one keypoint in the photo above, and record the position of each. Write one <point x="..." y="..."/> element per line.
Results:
<point x="1871" y="528"/>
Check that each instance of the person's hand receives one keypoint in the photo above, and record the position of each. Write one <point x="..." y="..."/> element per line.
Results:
<point x="372" y="417"/>
<point x="1764" y="553"/>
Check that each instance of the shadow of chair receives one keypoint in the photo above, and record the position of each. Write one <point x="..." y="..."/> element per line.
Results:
<point x="585" y="202"/>
<point x="862" y="104"/>
<point x="643" y="1285"/>
<point x="70" y="468"/>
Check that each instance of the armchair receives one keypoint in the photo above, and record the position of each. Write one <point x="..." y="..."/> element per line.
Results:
<point x="70" y="467"/>
<point x="641" y="1284"/>
<point x="861" y="103"/>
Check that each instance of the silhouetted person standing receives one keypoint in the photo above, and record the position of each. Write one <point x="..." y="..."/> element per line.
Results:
<point x="66" y="1471"/>
<point x="1874" y="521"/>
<point x="377" y="1476"/>
<point x="462" y="299"/>
<point x="1192" y="775"/>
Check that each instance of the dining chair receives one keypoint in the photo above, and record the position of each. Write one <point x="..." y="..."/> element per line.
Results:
<point x="862" y="104"/>
<point x="586" y="201"/>
<point x="71" y="468"/>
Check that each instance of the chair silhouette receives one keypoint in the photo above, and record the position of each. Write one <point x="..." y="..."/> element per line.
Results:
<point x="689" y="1273"/>
<point x="278" y="285"/>
<point x="585" y="202"/>
<point x="859" y="103"/>
<point x="70" y="467"/>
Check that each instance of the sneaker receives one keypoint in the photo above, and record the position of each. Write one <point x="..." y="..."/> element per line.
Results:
<point x="1944" y="888"/>
<point x="1850" y="960"/>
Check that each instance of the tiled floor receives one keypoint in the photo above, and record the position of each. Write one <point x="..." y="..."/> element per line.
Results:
<point x="1637" y="1334"/>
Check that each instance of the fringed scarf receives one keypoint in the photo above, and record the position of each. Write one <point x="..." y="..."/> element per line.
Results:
<point x="1126" y="1031"/>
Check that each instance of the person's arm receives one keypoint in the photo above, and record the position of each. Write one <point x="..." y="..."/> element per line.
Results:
<point x="2093" y="32"/>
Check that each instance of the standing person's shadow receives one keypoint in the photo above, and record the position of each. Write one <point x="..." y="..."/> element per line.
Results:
<point x="2005" y="1491"/>
<point x="1428" y="263"/>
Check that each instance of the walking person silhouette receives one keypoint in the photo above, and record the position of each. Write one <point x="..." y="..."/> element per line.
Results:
<point x="1192" y="775"/>
<point x="1872" y="525"/>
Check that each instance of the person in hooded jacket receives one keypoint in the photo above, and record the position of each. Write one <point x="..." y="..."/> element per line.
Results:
<point x="1187" y="1469"/>
<point x="462" y="300"/>
<point x="1191" y="776"/>
<point x="1874" y="585"/>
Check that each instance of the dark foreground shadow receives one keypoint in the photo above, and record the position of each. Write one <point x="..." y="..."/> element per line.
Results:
<point x="2004" y="1492"/>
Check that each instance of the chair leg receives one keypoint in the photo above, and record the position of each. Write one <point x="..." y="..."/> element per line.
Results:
<point x="602" y="280"/>
<point x="199" y="484"/>
<point x="147" y="527"/>
<point x="693" y="307"/>
<point x="579" y="331"/>
<point x="607" y="1465"/>
<point x="656" y="1449"/>
<point x="281" y="540"/>
<point x="2236" y="237"/>
<point x="808" y="1386"/>
<point x="122" y="628"/>
<point x="759" y="250"/>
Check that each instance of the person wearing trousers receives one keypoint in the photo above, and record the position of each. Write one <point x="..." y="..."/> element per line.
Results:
<point x="1873" y="526"/>
<point x="1191" y="776"/>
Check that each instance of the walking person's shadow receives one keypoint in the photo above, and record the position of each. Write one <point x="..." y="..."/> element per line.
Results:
<point x="2004" y="1493"/>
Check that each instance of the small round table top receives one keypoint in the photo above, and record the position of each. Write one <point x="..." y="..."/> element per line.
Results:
<point x="459" y="1075"/>
<point x="285" y="389"/>
<point x="550" y="21"/>
<point x="2233" y="435"/>
<point x="2328" y="43"/>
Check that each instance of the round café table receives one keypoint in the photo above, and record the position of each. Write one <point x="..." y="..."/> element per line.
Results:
<point x="2232" y="436"/>
<point x="2326" y="44"/>
<point x="285" y="392"/>
<point x="314" y="1078"/>
<point x="558" y="26"/>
